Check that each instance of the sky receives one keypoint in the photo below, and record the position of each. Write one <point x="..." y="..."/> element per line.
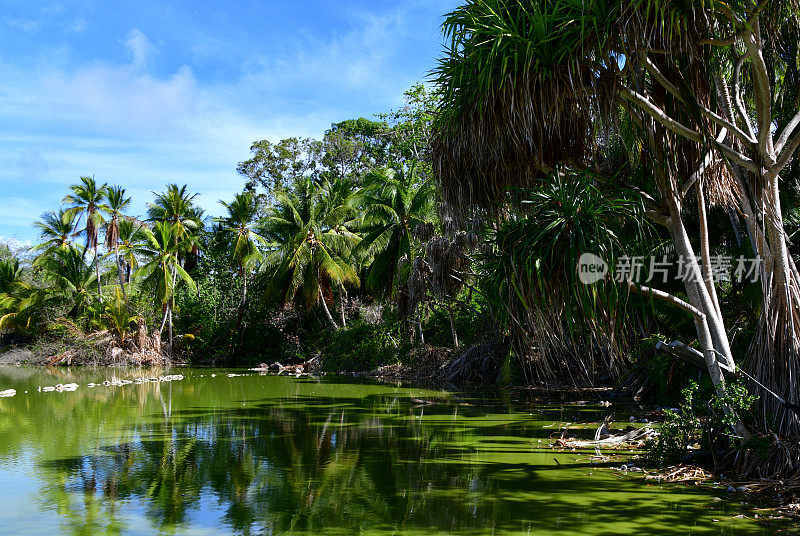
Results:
<point x="146" y="93"/>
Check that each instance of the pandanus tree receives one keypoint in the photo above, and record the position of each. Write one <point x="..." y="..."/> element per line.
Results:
<point x="707" y="85"/>
<point x="57" y="230"/>
<point x="394" y="204"/>
<point x="163" y="271"/>
<point x="311" y="247"/>
<point x="580" y="330"/>
<point x="86" y="200"/>
<point x="116" y="203"/>
<point x="239" y="227"/>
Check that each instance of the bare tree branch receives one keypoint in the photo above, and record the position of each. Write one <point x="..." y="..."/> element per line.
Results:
<point x="787" y="131"/>
<point x="720" y="121"/>
<point x="786" y="156"/>
<point x="737" y="96"/>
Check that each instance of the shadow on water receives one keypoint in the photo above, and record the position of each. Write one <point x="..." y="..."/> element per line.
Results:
<point x="271" y="456"/>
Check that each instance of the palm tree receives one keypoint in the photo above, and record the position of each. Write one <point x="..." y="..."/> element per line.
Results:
<point x="86" y="200"/>
<point x="311" y="247"/>
<point x="238" y="225"/>
<point x="57" y="229"/>
<point x="10" y="275"/>
<point x="161" y="272"/>
<point x="116" y="204"/>
<point x="20" y="302"/>
<point x="176" y="207"/>
<point x="393" y="206"/>
<point x="131" y="239"/>
<point x="68" y="271"/>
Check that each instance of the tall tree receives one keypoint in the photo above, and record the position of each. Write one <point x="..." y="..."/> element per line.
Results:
<point x="57" y="230"/>
<point x="132" y="239"/>
<point x="526" y="87"/>
<point x="116" y="203"/>
<point x="163" y="270"/>
<point x="176" y="207"/>
<point x="86" y="200"/>
<point x="239" y="226"/>
<point x="311" y="247"/>
<point x="69" y="272"/>
<point x="393" y="207"/>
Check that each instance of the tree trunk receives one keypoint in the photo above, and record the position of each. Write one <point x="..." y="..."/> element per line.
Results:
<point x="164" y="320"/>
<point x="244" y="288"/>
<point x="696" y="289"/>
<point x="452" y="325"/>
<point x="170" y="328"/>
<point x="327" y="311"/>
<point x="710" y="331"/>
<point x="705" y="247"/>
<point x="97" y="273"/>
<point x="421" y="333"/>
<point x="341" y="305"/>
<point x="119" y="272"/>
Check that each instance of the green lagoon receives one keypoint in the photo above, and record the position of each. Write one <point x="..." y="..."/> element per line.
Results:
<point x="256" y="454"/>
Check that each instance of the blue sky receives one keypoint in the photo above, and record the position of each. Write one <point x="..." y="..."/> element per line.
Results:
<point x="149" y="92"/>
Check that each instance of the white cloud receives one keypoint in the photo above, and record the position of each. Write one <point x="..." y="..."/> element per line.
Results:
<point x="129" y="124"/>
<point x="118" y="98"/>
<point x="140" y="47"/>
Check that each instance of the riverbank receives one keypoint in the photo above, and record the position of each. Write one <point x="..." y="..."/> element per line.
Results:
<point x="67" y="345"/>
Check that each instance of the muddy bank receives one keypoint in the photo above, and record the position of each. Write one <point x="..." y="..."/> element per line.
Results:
<point x="102" y="348"/>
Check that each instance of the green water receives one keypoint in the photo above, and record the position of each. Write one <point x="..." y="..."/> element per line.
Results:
<point x="266" y="455"/>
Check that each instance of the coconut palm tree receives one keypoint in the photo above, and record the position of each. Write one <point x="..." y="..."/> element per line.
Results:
<point x="311" y="247"/>
<point x="10" y="274"/>
<point x="20" y="302"/>
<point x="239" y="226"/>
<point x="86" y="200"/>
<point x="57" y="229"/>
<point x="131" y="241"/>
<point x="163" y="270"/>
<point x="116" y="203"/>
<point x="70" y="274"/>
<point x="393" y="206"/>
<point x="176" y="207"/>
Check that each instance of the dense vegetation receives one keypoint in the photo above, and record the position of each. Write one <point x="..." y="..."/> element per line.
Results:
<point x="659" y="132"/>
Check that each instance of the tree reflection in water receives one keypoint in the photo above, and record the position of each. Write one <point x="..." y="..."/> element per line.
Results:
<point x="265" y="455"/>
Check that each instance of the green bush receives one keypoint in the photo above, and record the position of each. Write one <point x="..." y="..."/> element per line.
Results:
<point x="698" y="426"/>
<point x="363" y="346"/>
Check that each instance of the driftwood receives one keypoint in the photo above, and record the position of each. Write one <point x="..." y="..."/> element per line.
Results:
<point x="633" y="438"/>
<point x="637" y="436"/>
<point x="311" y="366"/>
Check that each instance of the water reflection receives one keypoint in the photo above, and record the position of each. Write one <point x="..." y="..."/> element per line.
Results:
<point x="265" y="455"/>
